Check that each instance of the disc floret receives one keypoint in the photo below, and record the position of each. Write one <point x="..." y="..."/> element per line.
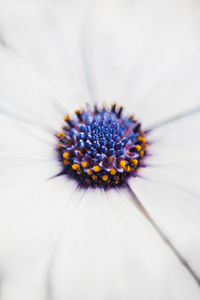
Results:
<point x="100" y="147"/>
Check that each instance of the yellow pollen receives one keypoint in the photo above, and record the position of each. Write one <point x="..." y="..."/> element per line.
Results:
<point x="59" y="134"/>
<point x="123" y="163"/>
<point x="89" y="172"/>
<point x="79" y="172"/>
<point x="77" y="111"/>
<point x="59" y="146"/>
<point x="116" y="182"/>
<point x="111" y="158"/>
<point x="66" y="162"/>
<point x="80" y="153"/>
<point x="66" y="118"/>
<point x="141" y="139"/>
<point x="112" y="171"/>
<point x="128" y="169"/>
<point x="134" y="161"/>
<point x="138" y="147"/>
<point x="66" y="155"/>
<point x="84" y="164"/>
<point x="94" y="177"/>
<point x="76" y="167"/>
<point x="105" y="177"/>
<point x="96" y="169"/>
<point x="141" y="153"/>
<point x="145" y="146"/>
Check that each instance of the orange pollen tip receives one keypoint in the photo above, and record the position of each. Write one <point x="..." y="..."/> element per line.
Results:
<point x="134" y="161"/>
<point x="112" y="171"/>
<point x="141" y="139"/>
<point x="66" y="162"/>
<point x="66" y="118"/>
<point x="145" y="146"/>
<point x="59" y="134"/>
<point x="141" y="153"/>
<point x="66" y="155"/>
<point x="96" y="169"/>
<point x="75" y="167"/>
<point x="94" y="177"/>
<point x="89" y="172"/>
<point x="123" y="163"/>
<point x="84" y="164"/>
<point x="138" y="147"/>
<point x="128" y="169"/>
<point x="105" y="177"/>
<point x="77" y="111"/>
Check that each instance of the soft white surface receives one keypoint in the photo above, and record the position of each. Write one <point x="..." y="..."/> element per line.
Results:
<point x="111" y="252"/>
<point x="57" y="242"/>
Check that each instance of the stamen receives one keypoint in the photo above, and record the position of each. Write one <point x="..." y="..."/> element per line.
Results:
<point x="97" y="169"/>
<point x="66" y="155"/>
<point x="119" y="112"/>
<point x="100" y="147"/>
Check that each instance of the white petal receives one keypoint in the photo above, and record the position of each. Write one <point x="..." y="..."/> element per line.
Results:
<point x="126" y="53"/>
<point x="48" y="39"/>
<point x="109" y="250"/>
<point x="169" y="185"/>
<point x="30" y="217"/>
<point x="177" y="91"/>
<point x="177" y="214"/>
<point x="26" y="153"/>
<point x="175" y="154"/>
<point x="130" y="44"/>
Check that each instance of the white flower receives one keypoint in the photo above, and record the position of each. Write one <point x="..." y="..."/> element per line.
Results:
<point x="60" y="242"/>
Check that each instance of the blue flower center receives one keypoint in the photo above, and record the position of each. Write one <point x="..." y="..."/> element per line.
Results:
<point x="101" y="148"/>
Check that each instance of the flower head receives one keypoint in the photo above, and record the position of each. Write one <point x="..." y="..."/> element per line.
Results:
<point x="60" y="241"/>
<point x="101" y="147"/>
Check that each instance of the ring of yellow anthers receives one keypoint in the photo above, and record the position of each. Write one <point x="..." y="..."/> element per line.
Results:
<point x="101" y="148"/>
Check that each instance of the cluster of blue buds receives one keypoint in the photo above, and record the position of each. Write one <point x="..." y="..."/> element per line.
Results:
<point x="101" y="148"/>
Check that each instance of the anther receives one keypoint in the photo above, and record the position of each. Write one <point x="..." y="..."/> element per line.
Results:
<point x="137" y="128"/>
<point x="67" y="119"/>
<point x="119" y="112"/>
<point x="113" y="108"/>
<point x="134" y="161"/>
<point x="66" y="155"/>
<point x="97" y="169"/>
<point x="75" y="167"/>
<point x="96" y="109"/>
<point x="84" y="164"/>
<point x="112" y="171"/>
<point x="138" y="147"/>
<point x="79" y="115"/>
<point x="123" y="163"/>
<point x="105" y="177"/>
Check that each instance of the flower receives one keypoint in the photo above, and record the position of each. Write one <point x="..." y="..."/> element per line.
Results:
<point x="59" y="241"/>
